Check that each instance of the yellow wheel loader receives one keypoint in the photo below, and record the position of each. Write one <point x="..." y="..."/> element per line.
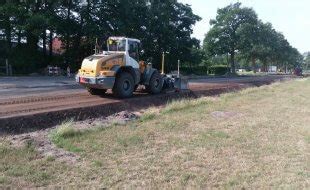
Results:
<point x="120" y="69"/>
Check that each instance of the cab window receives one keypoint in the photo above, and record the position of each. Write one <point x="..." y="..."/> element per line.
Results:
<point x="116" y="45"/>
<point x="134" y="50"/>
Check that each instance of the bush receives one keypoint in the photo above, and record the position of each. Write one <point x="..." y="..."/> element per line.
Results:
<point x="218" y="70"/>
<point x="203" y="70"/>
<point x="197" y="70"/>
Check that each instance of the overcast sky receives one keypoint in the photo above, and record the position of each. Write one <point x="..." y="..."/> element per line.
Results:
<point x="291" y="17"/>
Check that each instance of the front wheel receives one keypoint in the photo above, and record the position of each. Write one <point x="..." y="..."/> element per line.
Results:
<point x="156" y="84"/>
<point x="124" y="85"/>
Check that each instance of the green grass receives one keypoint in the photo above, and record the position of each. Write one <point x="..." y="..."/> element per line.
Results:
<point x="61" y="136"/>
<point x="23" y="166"/>
<point x="264" y="145"/>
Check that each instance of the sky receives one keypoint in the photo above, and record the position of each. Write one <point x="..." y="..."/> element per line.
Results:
<point x="290" y="17"/>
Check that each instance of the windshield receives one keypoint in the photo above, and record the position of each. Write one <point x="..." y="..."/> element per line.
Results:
<point x="116" y="45"/>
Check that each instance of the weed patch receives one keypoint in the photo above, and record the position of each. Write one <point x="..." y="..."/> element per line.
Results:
<point x="61" y="135"/>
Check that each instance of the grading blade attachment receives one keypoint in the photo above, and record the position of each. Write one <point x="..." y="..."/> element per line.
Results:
<point x="181" y="84"/>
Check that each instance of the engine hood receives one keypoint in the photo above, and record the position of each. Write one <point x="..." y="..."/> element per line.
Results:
<point x="93" y="65"/>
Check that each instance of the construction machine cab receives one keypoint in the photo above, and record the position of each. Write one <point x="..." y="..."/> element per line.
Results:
<point x="129" y="46"/>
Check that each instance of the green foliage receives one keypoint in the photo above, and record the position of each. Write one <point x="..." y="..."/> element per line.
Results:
<point x="238" y="32"/>
<point x="162" y="26"/>
<point x="60" y="136"/>
<point x="197" y="70"/>
<point x="227" y="29"/>
<point x="306" y="65"/>
<point x="219" y="70"/>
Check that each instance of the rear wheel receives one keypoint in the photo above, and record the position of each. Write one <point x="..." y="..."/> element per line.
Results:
<point x="124" y="85"/>
<point x="156" y="84"/>
<point x="94" y="91"/>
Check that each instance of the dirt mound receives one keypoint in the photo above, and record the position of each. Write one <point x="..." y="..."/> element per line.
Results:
<point x="124" y="115"/>
<point x="43" y="145"/>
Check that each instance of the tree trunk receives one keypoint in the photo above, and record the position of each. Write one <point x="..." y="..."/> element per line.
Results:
<point x="19" y="37"/>
<point x="254" y="64"/>
<point x="232" y="62"/>
<point x="44" y="43"/>
<point x="51" y="44"/>
<point x="265" y="69"/>
<point x="33" y="39"/>
<point x="228" y="63"/>
<point x="8" y="36"/>
<point x="67" y="33"/>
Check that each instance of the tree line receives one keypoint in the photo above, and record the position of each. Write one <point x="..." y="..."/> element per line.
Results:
<point x="27" y="29"/>
<point x="237" y="36"/>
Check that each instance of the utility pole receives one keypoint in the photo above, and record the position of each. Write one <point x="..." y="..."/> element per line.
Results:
<point x="179" y="68"/>
<point x="163" y="64"/>
<point x="7" y="67"/>
<point x="96" y="45"/>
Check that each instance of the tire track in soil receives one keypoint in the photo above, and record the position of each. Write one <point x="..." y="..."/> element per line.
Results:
<point x="37" y="99"/>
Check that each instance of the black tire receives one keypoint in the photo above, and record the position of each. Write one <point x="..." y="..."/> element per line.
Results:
<point x="156" y="84"/>
<point x="124" y="85"/>
<point x="94" y="91"/>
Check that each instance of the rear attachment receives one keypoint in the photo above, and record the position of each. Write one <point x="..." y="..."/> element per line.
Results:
<point x="172" y="82"/>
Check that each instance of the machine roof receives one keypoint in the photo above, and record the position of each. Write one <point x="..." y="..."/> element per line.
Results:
<point x="120" y="37"/>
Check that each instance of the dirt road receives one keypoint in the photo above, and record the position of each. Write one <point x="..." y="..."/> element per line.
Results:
<point x="40" y="102"/>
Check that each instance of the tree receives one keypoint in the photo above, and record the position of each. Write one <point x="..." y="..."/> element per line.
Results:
<point x="237" y="31"/>
<point x="9" y="17"/>
<point x="162" y="26"/>
<point x="169" y="29"/>
<point x="225" y="35"/>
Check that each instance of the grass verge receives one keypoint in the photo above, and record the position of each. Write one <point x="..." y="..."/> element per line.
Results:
<point x="256" y="138"/>
<point x="61" y="136"/>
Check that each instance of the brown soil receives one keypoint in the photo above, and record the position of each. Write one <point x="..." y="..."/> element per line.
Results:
<point x="20" y="115"/>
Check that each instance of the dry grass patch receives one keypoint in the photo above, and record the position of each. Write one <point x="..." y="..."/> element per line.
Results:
<point x="23" y="167"/>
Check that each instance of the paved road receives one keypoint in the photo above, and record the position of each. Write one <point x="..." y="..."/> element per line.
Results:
<point x="13" y="87"/>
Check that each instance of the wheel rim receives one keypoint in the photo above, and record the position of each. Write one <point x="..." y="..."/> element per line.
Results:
<point x="126" y="85"/>
<point x="156" y="83"/>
